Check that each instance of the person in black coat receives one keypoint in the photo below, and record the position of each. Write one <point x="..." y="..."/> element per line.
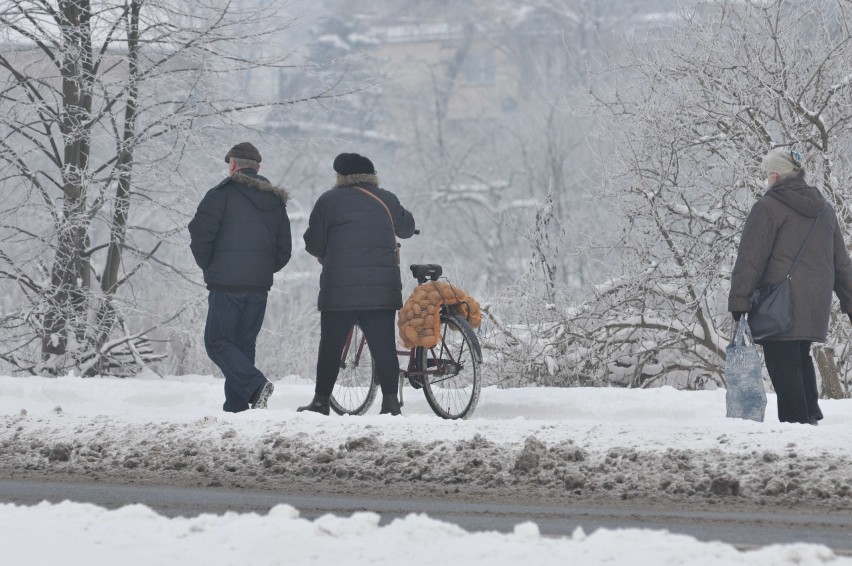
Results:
<point x="352" y="231"/>
<point x="240" y="236"/>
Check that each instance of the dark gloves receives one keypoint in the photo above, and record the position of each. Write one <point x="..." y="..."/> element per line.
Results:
<point x="738" y="315"/>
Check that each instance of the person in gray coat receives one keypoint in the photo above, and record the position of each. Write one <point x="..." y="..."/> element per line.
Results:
<point x="775" y="230"/>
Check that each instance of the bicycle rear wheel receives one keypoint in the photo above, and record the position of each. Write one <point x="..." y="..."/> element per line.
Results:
<point x="357" y="383"/>
<point x="452" y="382"/>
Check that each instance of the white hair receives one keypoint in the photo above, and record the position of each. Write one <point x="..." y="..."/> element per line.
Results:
<point x="784" y="162"/>
<point x="241" y="163"/>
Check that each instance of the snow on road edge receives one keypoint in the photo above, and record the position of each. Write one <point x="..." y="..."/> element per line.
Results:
<point x="570" y="444"/>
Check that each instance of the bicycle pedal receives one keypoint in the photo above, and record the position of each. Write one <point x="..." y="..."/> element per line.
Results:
<point x="416" y="382"/>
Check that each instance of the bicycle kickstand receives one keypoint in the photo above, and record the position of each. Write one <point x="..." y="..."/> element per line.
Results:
<point x="401" y="381"/>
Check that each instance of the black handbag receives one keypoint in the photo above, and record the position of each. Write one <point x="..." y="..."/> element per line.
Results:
<point x="771" y="311"/>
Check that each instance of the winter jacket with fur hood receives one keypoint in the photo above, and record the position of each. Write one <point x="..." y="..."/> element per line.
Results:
<point x="774" y="232"/>
<point x="353" y="236"/>
<point x="240" y="234"/>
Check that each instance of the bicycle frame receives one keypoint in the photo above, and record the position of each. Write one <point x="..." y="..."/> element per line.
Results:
<point x="413" y="358"/>
<point x="411" y="354"/>
<point x="345" y="355"/>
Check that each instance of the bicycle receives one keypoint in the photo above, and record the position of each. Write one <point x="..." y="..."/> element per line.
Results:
<point x="448" y="372"/>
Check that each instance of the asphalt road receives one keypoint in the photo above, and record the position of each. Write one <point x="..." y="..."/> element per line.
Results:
<point x="742" y="529"/>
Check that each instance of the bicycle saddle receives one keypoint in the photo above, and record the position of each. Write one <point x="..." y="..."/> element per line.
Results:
<point x="422" y="272"/>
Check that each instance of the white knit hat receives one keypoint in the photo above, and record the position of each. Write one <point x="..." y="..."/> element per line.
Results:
<point x="782" y="161"/>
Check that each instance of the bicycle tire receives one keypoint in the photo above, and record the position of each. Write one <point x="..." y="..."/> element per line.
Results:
<point x="357" y="383"/>
<point x="454" y="394"/>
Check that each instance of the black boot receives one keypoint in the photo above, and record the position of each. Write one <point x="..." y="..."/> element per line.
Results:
<point x="390" y="405"/>
<point x="318" y="405"/>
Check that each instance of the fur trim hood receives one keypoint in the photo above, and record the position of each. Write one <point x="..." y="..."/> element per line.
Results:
<point x="260" y="183"/>
<point x="349" y="180"/>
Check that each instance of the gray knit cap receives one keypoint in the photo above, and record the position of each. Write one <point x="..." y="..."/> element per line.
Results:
<point x="782" y="161"/>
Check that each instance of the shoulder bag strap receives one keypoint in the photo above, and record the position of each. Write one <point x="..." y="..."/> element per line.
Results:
<point x="798" y="255"/>
<point x="390" y="216"/>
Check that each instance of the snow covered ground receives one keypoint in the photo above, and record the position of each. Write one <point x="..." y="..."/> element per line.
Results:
<point x="556" y="444"/>
<point x="135" y="535"/>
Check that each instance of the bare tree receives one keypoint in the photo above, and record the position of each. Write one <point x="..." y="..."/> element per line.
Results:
<point x="98" y="99"/>
<point x="694" y="109"/>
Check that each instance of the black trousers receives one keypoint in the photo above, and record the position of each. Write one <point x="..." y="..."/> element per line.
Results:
<point x="378" y="326"/>
<point x="791" y="370"/>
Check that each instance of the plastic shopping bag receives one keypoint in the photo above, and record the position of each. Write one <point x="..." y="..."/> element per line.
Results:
<point x="746" y="398"/>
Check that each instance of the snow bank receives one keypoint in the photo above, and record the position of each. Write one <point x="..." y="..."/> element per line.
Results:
<point x="558" y="444"/>
<point x="135" y="535"/>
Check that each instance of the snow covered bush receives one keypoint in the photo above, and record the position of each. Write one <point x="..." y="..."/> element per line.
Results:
<point x="686" y="116"/>
<point x="692" y="111"/>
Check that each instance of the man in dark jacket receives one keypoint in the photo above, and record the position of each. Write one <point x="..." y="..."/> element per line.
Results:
<point x="240" y="237"/>
<point x="352" y="231"/>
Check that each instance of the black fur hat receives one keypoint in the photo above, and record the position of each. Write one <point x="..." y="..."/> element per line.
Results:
<point x="353" y="164"/>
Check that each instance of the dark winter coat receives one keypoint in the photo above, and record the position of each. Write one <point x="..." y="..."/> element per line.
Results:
<point x="774" y="232"/>
<point x="353" y="236"/>
<point x="241" y="233"/>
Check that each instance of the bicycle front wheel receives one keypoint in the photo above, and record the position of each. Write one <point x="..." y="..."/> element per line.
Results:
<point x="451" y="383"/>
<point x="357" y="383"/>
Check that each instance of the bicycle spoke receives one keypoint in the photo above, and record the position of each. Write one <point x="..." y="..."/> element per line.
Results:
<point x="452" y="387"/>
<point x="355" y="388"/>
